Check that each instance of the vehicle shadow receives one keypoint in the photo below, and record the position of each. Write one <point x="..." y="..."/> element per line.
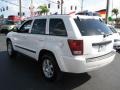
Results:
<point x="23" y="73"/>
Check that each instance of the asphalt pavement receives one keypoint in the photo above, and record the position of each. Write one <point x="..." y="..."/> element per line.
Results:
<point x="23" y="73"/>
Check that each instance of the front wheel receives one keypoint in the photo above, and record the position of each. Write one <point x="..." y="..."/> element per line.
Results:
<point x="50" y="69"/>
<point x="10" y="49"/>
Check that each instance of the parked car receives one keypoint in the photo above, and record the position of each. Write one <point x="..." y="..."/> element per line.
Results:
<point x="8" y="26"/>
<point x="2" y="21"/>
<point x="116" y="37"/>
<point x="63" y="43"/>
<point x="0" y="24"/>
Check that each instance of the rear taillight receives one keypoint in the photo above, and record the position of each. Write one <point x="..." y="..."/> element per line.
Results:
<point x="76" y="46"/>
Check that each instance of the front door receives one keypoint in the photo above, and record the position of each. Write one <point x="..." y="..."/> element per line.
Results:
<point x="22" y="38"/>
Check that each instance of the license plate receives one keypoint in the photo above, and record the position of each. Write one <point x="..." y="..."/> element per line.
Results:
<point x="101" y="48"/>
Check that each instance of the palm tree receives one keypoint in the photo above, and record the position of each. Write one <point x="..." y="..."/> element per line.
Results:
<point x="43" y="9"/>
<point x="115" y="11"/>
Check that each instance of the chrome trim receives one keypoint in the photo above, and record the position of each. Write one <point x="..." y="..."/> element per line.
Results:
<point x="102" y="43"/>
<point x="100" y="57"/>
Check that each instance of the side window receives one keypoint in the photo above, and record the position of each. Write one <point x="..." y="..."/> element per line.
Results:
<point x="39" y="26"/>
<point x="25" y="27"/>
<point x="57" y="27"/>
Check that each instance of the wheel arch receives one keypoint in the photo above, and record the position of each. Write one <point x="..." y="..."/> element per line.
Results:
<point x="45" y="51"/>
<point x="8" y="39"/>
<point x="58" y="59"/>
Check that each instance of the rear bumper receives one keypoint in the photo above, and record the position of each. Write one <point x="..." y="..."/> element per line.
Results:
<point x="80" y="65"/>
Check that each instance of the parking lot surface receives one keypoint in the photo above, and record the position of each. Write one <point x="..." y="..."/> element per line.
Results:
<point x="23" y="73"/>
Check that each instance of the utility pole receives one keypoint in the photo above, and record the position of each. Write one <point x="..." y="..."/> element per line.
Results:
<point x="31" y="9"/>
<point x="62" y="6"/>
<point x="107" y="11"/>
<point x="20" y="8"/>
<point x="112" y="4"/>
<point x="81" y="5"/>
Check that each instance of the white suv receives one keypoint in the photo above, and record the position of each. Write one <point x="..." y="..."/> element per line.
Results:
<point x="63" y="43"/>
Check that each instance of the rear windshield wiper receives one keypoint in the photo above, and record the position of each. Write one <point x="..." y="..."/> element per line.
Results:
<point x="106" y="35"/>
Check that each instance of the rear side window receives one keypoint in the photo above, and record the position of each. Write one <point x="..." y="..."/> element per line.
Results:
<point x="57" y="27"/>
<point x="39" y="26"/>
<point x="89" y="27"/>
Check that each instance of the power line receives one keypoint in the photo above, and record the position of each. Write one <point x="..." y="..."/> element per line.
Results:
<point x="12" y="3"/>
<point x="52" y="1"/>
<point x="9" y="2"/>
<point x="24" y="6"/>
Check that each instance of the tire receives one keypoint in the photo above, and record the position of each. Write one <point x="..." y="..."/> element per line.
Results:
<point x="6" y="32"/>
<point x="118" y="50"/>
<point x="49" y="67"/>
<point x="10" y="50"/>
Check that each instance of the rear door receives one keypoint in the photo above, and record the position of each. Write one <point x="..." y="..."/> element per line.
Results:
<point x="57" y="37"/>
<point x="97" y="37"/>
<point x="37" y="37"/>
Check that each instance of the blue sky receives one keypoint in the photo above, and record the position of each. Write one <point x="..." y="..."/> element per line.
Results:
<point x="91" y="5"/>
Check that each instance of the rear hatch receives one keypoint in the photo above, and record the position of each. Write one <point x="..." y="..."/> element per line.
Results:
<point x="97" y="37"/>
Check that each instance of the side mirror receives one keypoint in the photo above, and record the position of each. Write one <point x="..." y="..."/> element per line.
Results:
<point x="15" y="29"/>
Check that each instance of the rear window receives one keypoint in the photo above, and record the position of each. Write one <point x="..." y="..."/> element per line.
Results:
<point x="89" y="27"/>
<point x="112" y="29"/>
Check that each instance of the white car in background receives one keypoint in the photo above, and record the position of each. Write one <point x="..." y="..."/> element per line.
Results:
<point x="116" y="37"/>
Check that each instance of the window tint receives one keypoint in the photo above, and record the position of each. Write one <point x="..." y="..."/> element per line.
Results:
<point x="57" y="27"/>
<point x="25" y="27"/>
<point x="89" y="27"/>
<point x="39" y="26"/>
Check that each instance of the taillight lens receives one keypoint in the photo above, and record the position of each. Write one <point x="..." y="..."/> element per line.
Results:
<point x="76" y="46"/>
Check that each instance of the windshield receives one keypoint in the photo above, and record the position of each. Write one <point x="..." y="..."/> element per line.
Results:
<point x="9" y="23"/>
<point x="89" y="27"/>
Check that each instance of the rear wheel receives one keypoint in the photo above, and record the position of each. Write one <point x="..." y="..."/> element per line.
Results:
<point x="10" y="49"/>
<point x="49" y="67"/>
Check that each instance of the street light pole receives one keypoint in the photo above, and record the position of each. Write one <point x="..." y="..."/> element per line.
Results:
<point x="20" y="8"/>
<point x="107" y="11"/>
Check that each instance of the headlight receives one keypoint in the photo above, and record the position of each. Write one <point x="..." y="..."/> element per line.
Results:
<point x="10" y="27"/>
